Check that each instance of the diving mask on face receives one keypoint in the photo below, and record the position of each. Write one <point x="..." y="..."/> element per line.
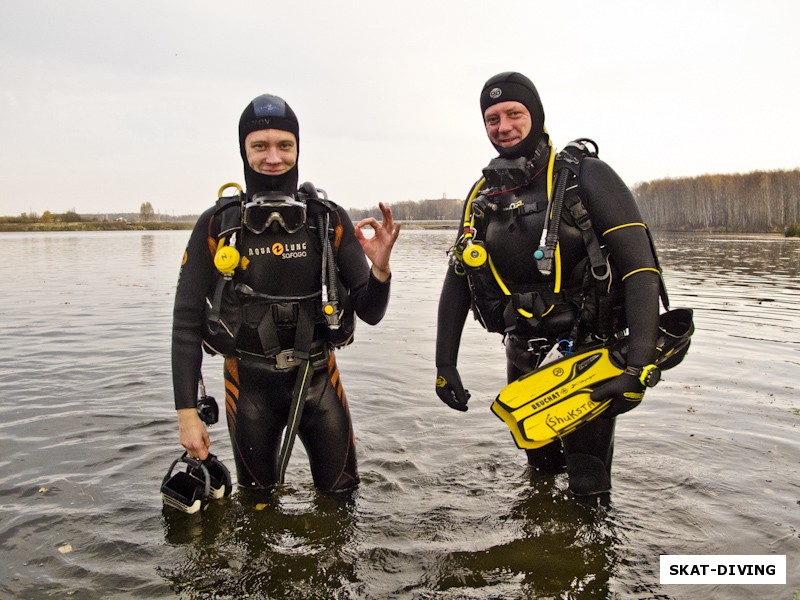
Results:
<point x="270" y="207"/>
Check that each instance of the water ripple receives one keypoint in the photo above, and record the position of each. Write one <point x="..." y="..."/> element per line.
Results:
<point x="708" y="464"/>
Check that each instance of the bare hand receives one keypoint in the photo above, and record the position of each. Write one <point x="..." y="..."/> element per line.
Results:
<point x="378" y="248"/>
<point x="193" y="434"/>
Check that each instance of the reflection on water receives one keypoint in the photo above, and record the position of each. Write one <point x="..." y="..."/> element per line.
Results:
<point x="727" y="255"/>
<point x="149" y="251"/>
<point x="753" y="280"/>
<point x="708" y="464"/>
<point x="234" y="549"/>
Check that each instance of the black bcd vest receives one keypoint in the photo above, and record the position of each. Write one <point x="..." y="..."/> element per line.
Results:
<point x="240" y="320"/>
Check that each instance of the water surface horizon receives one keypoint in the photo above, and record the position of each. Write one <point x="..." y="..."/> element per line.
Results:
<point x="708" y="464"/>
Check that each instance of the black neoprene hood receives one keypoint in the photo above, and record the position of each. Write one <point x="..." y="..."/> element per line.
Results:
<point x="268" y="112"/>
<point x="510" y="86"/>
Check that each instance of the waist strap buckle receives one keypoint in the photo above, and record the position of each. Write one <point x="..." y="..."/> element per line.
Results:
<point x="285" y="360"/>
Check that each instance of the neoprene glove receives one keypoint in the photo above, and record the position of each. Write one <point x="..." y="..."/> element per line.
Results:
<point x="449" y="388"/>
<point x="626" y="392"/>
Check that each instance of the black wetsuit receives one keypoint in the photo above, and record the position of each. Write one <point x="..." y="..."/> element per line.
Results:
<point x="257" y="393"/>
<point x="510" y="238"/>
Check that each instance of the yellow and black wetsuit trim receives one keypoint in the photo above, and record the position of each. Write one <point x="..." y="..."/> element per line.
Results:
<point x="655" y="270"/>
<point x="607" y="231"/>
<point x="231" y="387"/>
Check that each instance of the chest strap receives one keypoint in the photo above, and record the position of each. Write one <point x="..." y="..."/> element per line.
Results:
<point x="268" y="313"/>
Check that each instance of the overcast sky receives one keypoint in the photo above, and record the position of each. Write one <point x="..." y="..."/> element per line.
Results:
<point x="108" y="104"/>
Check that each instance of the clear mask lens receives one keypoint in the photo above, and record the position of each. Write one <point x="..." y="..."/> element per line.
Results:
<point x="265" y="209"/>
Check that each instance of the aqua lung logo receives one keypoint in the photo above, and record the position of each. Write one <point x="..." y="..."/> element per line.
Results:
<point x="285" y="251"/>
<point x="495" y="93"/>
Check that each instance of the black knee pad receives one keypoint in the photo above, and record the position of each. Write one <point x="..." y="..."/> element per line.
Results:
<point x="588" y="475"/>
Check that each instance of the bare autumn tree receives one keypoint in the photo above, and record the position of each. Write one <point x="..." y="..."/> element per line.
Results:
<point x="146" y="212"/>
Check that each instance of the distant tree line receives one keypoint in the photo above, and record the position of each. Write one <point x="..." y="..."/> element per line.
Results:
<point x="146" y="218"/>
<point x="442" y="209"/>
<point x="757" y="202"/>
<point x="46" y="217"/>
<point x="146" y="214"/>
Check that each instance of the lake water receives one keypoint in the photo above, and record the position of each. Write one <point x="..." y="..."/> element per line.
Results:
<point x="708" y="464"/>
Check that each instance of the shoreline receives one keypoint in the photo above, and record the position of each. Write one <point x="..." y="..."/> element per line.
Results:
<point x="164" y="226"/>
<point x="184" y="225"/>
<point x="92" y="226"/>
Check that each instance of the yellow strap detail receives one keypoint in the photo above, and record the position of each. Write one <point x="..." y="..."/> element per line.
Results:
<point x="505" y="289"/>
<point x="623" y="226"/>
<point x="469" y="220"/>
<point x="550" y="180"/>
<point x="557" y="285"/>
<point x="624" y="277"/>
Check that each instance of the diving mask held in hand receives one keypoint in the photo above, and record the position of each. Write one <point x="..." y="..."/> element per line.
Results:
<point x="191" y="489"/>
<point x="267" y="208"/>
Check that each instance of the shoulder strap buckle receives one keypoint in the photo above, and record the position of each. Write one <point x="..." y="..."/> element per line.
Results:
<point x="579" y="213"/>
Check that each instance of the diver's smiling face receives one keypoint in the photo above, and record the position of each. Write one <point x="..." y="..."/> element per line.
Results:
<point x="507" y="123"/>
<point x="271" y="151"/>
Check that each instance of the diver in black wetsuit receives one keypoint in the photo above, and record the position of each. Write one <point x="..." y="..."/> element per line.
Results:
<point x="281" y="323"/>
<point x="544" y="309"/>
